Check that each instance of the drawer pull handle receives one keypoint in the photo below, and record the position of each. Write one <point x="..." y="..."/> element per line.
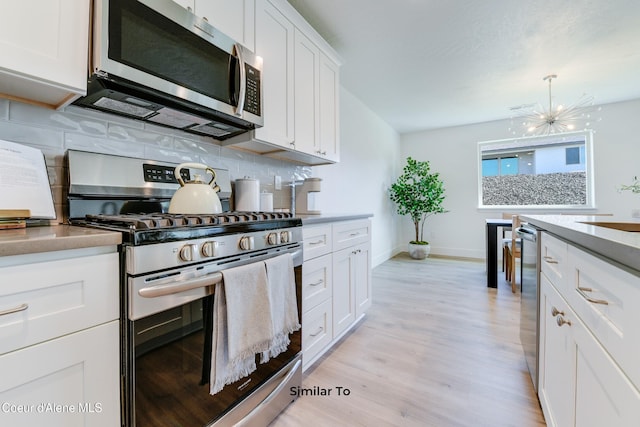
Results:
<point x="582" y="291"/>
<point x="555" y="312"/>
<point x="550" y="260"/>
<point x="561" y="321"/>
<point x="317" y="242"/>
<point x="318" y="332"/>
<point x="21" y="307"/>
<point x="354" y="234"/>
<point x="319" y="282"/>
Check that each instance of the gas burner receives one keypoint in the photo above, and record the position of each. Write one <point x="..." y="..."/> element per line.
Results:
<point x="133" y="221"/>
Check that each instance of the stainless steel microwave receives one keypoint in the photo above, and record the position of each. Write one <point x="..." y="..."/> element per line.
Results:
<point x="155" y="61"/>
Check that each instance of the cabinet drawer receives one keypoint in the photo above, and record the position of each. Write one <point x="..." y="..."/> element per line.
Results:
<point x="316" y="281"/>
<point x="57" y="298"/>
<point x="316" y="331"/>
<point x="349" y="233"/>
<point x="553" y="262"/>
<point x="316" y="240"/>
<point x="607" y="299"/>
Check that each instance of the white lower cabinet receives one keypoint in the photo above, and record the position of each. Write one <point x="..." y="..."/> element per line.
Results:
<point x="557" y="380"/>
<point x="317" y="331"/>
<point x="336" y="284"/>
<point x="581" y="381"/>
<point x="59" y="335"/>
<point x="351" y="286"/>
<point x="71" y="381"/>
<point x="344" y="292"/>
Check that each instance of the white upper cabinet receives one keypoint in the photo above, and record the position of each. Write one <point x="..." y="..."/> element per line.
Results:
<point x="274" y="43"/>
<point x="307" y="100"/>
<point x="316" y="101"/>
<point x="43" y="51"/>
<point x="328" y="120"/>
<point x="234" y="18"/>
<point x="300" y="89"/>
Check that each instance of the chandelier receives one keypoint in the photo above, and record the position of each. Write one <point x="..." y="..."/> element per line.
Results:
<point x="536" y="120"/>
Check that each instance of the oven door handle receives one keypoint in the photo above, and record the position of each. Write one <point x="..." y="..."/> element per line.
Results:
<point x="175" y="288"/>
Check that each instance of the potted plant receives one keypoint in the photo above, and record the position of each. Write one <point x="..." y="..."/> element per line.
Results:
<point x="419" y="193"/>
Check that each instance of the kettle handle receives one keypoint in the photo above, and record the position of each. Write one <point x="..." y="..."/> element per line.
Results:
<point x="194" y="166"/>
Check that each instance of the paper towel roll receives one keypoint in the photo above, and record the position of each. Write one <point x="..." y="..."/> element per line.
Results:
<point x="266" y="202"/>
<point x="247" y="196"/>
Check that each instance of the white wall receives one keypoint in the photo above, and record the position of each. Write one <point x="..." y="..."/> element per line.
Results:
<point x="359" y="183"/>
<point x="453" y="153"/>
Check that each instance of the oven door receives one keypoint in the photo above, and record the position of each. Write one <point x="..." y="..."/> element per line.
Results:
<point x="165" y="364"/>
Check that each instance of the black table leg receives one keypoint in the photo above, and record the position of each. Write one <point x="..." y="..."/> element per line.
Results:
<point x="492" y="258"/>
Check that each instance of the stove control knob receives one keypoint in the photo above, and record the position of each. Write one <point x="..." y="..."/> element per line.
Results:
<point x="272" y="238"/>
<point x="246" y="243"/>
<point x="209" y="249"/>
<point x="186" y="252"/>
<point x="285" y="236"/>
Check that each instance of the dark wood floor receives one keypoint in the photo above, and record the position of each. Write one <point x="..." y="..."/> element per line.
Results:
<point x="437" y="348"/>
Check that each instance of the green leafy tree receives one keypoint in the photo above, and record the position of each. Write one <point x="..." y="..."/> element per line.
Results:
<point x="419" y="193"/>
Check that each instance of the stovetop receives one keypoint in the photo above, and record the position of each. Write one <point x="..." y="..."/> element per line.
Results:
<point x="166" y="220"/>
<point x="141" y="229"/>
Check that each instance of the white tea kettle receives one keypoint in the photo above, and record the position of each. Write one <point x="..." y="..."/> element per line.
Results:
<point x="196" y="196"/>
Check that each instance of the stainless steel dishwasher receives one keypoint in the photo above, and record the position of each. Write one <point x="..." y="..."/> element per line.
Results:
<point x="530" y="295"/>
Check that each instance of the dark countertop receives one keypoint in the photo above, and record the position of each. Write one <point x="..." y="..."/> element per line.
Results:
<point x="331" y="217"/>
<point x="622" y="247"/>
<point x="54" y="238"/>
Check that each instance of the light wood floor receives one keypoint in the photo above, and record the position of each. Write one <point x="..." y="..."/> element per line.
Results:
<point x="437" y="348"/>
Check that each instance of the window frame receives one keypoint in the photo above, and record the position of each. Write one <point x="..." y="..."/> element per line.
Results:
<point x="530" y="142"/>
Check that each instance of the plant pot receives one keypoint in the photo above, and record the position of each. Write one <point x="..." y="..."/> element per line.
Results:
<point x="417" y="251"/>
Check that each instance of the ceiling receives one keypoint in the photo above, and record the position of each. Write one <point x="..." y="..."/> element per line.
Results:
<point x="425" y="64"/>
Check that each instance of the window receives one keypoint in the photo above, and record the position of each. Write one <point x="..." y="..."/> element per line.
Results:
<point x="553" y="171"/>
<point x="572" y="155"/>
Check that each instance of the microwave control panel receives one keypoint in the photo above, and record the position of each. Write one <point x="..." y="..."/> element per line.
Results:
<point x="252" y="96"/>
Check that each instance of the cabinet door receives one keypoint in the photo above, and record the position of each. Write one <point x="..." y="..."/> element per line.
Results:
<point x="234" y="18"/>
<point x="329" y="87"/>
<point x="274" y="42"/>
<point x="306" y="68"/>
<point x="343" y="291"/>
<point x="362" y="278"/>
<point x="43" y="50"/>
<point x="71" y="381"/>
<point x="556" y="387"/>
<point x="604" y="394"/>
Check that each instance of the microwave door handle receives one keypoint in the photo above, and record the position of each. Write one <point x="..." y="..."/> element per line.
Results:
<point x="243" y="80"/>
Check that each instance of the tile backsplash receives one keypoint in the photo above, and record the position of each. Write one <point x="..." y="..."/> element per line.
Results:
<point x="55" y="131"/>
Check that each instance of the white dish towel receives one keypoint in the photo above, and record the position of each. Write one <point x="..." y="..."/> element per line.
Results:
<point x="241" y="326"/>
<point x="283" y="302"/>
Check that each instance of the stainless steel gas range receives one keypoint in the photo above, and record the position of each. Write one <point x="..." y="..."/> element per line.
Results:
<point x="170" y="266"/>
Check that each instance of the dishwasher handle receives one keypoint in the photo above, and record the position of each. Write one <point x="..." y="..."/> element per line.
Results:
<point x="527" y="233"/>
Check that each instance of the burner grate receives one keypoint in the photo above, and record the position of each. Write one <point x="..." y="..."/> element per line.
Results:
<point x="169" y="221"/>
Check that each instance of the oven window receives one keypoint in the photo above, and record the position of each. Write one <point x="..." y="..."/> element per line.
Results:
<point x="169" y="355"/>
<point x="145" y="40"/>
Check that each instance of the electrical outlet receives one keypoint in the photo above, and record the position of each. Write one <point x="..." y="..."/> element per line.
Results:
<point x="277" y="182"/>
